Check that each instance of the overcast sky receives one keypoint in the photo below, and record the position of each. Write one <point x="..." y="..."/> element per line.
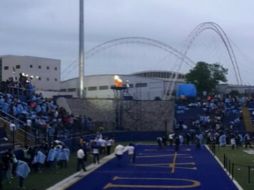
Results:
<point x="49" y="28"/>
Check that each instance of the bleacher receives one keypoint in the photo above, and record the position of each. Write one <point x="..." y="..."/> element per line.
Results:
<point x="248" y="115"/>
<point x="217" y="115"/>
<point x="187" y="113"/>
<point x="36" y="119"/>
<point x="4" y="141"/>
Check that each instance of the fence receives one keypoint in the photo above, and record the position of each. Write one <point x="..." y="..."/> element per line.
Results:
<point x="243" y="173"/>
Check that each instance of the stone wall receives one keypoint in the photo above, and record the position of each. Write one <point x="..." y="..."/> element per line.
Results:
<point x="135" y="115"/>
<point x="148" y="115"/>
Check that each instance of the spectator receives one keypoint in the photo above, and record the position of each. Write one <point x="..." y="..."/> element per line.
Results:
<point x="109" y="143"/>
<point x="39" y="160"/>
<point x="8" y="165"/>
<point x="22" y="172"/>
<point x="119" y="151"/>
<point x="96" y="152"/>
<point x="80" y="159"/>
<point x="159" y="141"/>
<point x="131" y="152"/>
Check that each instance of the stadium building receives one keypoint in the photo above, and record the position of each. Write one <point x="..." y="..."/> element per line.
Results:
<point x="148" y="85"/>
<point x="44" y="73"/>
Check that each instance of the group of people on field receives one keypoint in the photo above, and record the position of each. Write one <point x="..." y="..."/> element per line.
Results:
<point x="99" y="147"/>
<point x="21" y="162"/>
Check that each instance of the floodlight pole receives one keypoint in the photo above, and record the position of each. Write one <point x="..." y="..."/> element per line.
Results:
<point x="81" y="48"/>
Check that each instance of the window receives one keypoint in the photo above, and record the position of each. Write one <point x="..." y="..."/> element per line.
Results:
<point x="131" y="85"/>
<point x="55" y="68"/>
<point x="63" y="90"/>
<point x="31" y="66"/>
<point x="71" y="89"/>
<point x="141" y="85"/>
<point x="47" y="79"/>
<point x="90" y="88"/>
<point x="39" y="78"/>
<point x="56" y="79"/>
<point x="103" y="87"/>
<point x="17" y="66"/>
<point x="39" y="67"/>
<point x="6" y="67"/>
<point x="47" y="67"/>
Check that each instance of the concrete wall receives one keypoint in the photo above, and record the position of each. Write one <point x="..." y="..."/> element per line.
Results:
<point x="136" y="115"/>
<point x="148" y="115"/>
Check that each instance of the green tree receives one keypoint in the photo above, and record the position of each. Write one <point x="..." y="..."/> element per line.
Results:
<point x="207" y="76"/>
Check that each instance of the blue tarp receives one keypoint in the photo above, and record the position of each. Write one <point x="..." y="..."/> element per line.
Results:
<point x="187" y="90"/>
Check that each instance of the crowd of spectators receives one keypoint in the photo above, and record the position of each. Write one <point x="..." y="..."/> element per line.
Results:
<point x="23" y="87"/>
<point x="212" y="119"/>
<point x="51" y="157"/>
<point x="39" y="116"/>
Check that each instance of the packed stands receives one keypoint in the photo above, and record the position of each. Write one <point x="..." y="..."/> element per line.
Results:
<point x="33" y="117"/>
<point x="211" y="116"/>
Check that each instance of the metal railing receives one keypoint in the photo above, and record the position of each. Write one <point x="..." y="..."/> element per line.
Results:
<point x="20" y="135"/>
<point x="236" y="169"/>
<point x="241" y="172"/>
<point x="10" y="117"/>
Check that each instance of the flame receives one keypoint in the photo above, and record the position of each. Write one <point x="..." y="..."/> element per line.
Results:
<point x="118" y="82"/>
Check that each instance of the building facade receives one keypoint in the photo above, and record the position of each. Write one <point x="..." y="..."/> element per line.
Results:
<point x="44" y="73"/>
<point x="139" y="86"/>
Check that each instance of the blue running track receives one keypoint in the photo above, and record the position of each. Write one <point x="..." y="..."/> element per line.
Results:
<point x="160" y="169"/>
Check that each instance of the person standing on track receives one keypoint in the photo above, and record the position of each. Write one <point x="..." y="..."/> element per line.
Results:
<point x="177" y="143"/>
<point x="80" y="159"/>
<point x="131" y="152"/>
<point x="119" y="151"/>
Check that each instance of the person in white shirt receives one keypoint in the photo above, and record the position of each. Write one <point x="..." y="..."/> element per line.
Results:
<point x="233" y="141"/>
<point x="29" y="122"/>
<point x="171" y="138"/>
<point x="102" y="143"/>
<point x="119" y="151"/>
<point x="12" y="126"/>
<point x="80" y="159"/>
<point x="96" y="152"/>
<point x="131" y="152"/>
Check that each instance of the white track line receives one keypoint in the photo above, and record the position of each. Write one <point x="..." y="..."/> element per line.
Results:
<point x="226" y="171"/>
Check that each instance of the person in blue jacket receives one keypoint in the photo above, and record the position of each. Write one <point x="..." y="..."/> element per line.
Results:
<point x="22" y="171"/>
<point x="63" y="156"/>
<point x="51" y="156"/>
<point x="39" y="160"/>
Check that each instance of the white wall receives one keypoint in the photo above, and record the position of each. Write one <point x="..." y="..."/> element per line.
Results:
<point x="49" y="71"/>
<point x="154" y="88"/>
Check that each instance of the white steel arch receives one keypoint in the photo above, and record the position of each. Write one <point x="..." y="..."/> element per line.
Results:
<point x="223" y="36"/>
<point x="139" y="40"/>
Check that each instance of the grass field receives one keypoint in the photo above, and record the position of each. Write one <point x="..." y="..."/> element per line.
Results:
<point x="237" y="163"/>
<point x="47" y="178"/>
